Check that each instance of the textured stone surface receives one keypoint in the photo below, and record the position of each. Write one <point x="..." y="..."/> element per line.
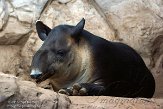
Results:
<point x="71" y="13"/>
<point x="3" y="14"/>
<point x="17" y="94"/>
<point x="9" y="58"/>
<point x="7" y="85"/>
<point x="16" y="20"/>
<point x="17" y="17"/>
<point x="104" y="102"/>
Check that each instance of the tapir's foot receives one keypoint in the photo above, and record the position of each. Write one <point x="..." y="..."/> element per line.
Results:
<point x="76" y="90"/>
<point x="83" y="89"/>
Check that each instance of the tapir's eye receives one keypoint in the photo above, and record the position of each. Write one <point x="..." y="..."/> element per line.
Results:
<point x="61" y="52"/>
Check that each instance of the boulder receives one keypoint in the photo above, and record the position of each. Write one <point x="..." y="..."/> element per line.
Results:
<point x="9" y="58"/>
<point x="16" y="19"/>
<point x="18" y="94"/>
<point x="72" y="12"/>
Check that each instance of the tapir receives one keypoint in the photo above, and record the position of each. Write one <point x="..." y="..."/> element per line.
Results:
<point x="78" y="62"/>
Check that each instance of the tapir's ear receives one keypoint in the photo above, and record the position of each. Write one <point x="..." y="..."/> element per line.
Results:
<point x="78" y="28"/>
<point x="42" y="30"/>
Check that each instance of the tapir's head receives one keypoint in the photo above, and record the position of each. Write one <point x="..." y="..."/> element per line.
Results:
<point x="58" y="50"/>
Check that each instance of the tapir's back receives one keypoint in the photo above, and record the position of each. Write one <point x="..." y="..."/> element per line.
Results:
<point x="121" y="68"/>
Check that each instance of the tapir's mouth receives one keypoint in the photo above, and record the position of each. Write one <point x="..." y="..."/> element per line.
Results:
<point x="40" y="76"/>
<point x="44" y="77"/>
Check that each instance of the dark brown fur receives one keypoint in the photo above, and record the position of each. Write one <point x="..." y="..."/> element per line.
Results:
<point x="72" y="55"/>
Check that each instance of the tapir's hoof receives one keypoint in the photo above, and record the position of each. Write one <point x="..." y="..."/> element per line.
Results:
<point x="63" y="91"/>
<point x="75" y="90"/>
<point x="79" y="90"/>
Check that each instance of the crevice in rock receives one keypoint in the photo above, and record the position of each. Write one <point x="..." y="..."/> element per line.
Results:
<point x="24" y="38"/>
<point x="23" y="9"/>
<point x="44" y="8"/>
<point x="4" y="103"/>
<point x="6" y="16"/>
<point x="22" y="22"/>
<point x="18" y="88"/>
<point x="157" y="49"/>
<point x="99" y="10"/>
<point x="56" y="101"/>
<point x="64" y="2"/>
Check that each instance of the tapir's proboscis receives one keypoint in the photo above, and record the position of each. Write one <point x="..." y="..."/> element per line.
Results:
<point x="78" y="62"/>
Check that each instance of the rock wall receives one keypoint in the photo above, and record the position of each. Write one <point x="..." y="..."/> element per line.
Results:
<point x="17" y="94"/>
<point x="138" y="23"/>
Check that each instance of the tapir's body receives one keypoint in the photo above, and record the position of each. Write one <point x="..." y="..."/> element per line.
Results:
<point x="100" y="67"/>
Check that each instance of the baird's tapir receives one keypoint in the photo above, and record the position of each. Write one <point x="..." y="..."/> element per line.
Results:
<point x="78" y="62"/>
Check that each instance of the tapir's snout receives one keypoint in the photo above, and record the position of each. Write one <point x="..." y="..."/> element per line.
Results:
<point x="35" y="73"/>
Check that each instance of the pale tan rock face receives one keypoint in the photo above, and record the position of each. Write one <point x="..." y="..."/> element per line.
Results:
<point x="138" y="23"/>
<point x="9" y="58"/>
<point x="104" y="102"/>
<point x="17" y="17"/>
<point x="72" y="12"/>
<point x="16" y="25"/>
<point x="17" y="94"/>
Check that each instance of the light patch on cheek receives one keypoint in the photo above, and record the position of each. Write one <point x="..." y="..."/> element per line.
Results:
<point x="69" y="43"/>
<point x="35" y="72"/>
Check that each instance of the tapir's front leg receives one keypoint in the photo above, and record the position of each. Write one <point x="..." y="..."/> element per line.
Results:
<point x="82" y="89"/>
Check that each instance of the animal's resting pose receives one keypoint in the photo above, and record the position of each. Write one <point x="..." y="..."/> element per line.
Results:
<point x="80" y="63"/>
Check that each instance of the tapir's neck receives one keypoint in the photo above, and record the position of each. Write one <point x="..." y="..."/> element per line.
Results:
<point x="85" y="74"/>
<point x="81" y="70"/>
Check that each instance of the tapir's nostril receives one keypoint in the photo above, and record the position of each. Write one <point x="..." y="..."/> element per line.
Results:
<point x="35" y="74"/>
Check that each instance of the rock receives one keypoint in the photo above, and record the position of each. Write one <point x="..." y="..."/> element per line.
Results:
<point x="19" y="94"/>
<point x="17" y="18"/>
<point x="3" y="15"/>
<point x="9" y="58"/>
<point x="71" y="13"/>
<point x="106" y="102"/>
<point x="27" y="53"/>
<point x="14" y="36"/>
<point x="8" y="86"/>
<point x="28" y="11"/>
<point x="16" y="22"/>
